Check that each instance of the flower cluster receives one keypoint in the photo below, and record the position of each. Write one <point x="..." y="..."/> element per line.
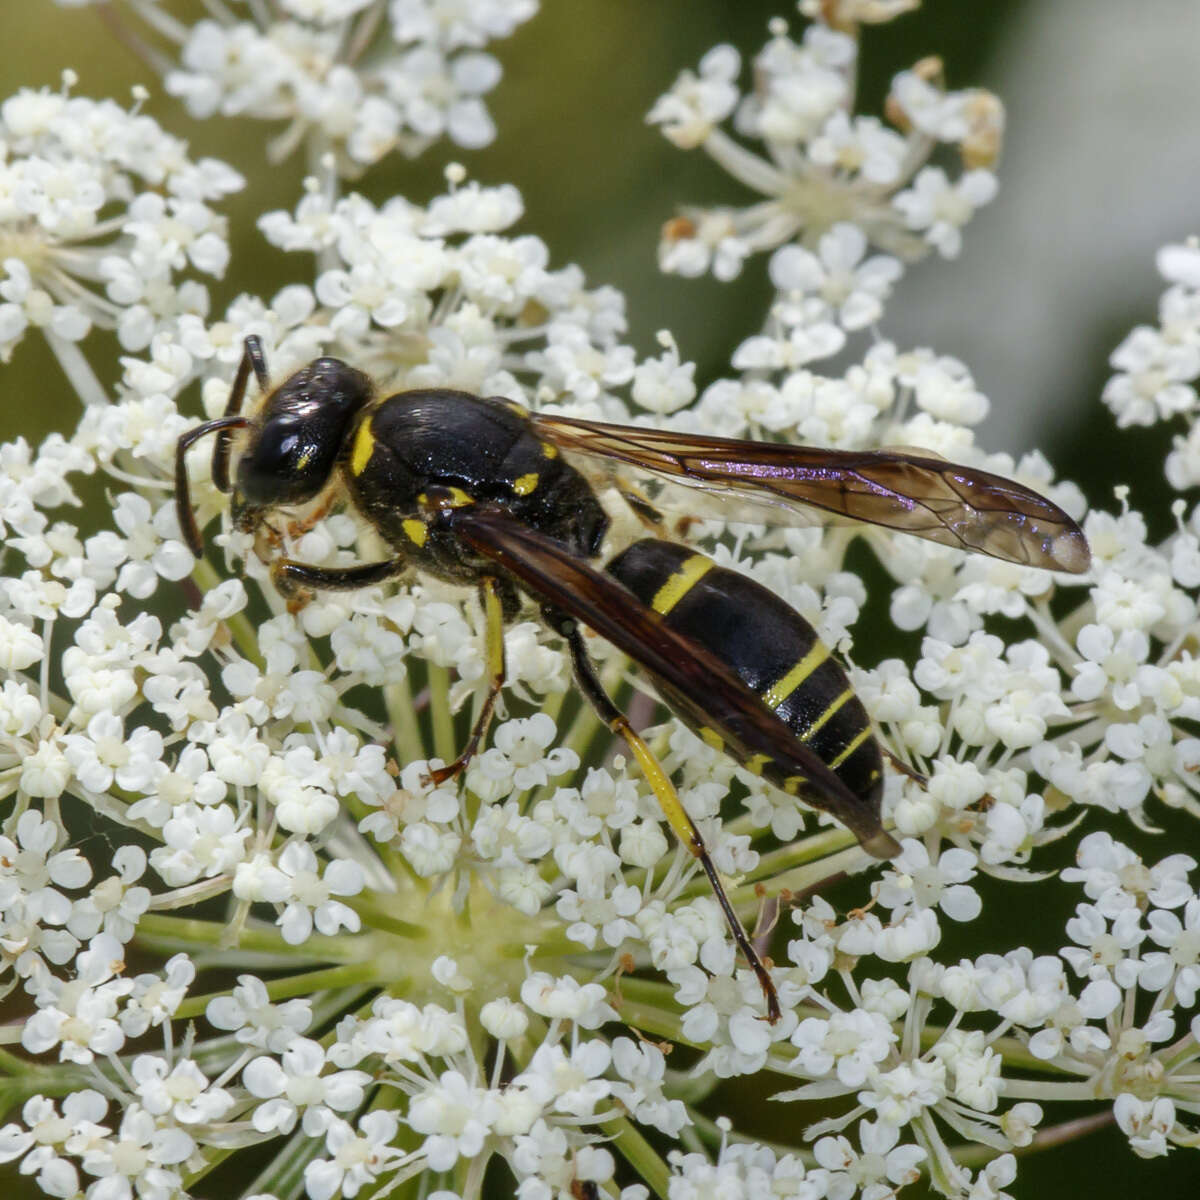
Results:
<point x="361" y="77"/>
<point x="102" y="216"/>
<point x="825" y="165"/>
<point x="434" y="975"/>
<point x="1157" y="368"/>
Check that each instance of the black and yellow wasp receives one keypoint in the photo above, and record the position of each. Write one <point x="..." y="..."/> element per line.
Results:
<point x="480" y="491"/>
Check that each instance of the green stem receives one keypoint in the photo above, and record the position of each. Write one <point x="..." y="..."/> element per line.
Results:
<point x="304" y="984"/>
<point x="444" y="744"/>
<point x="11" y="1064"/>
<point x="186" y="933"/>
<point x="406" y="732"/>
<point x="642" y="1157"/>
<point x="975" y="1155"/>
<point x="1039" y="1089"/>
<point x="376" y="910"/>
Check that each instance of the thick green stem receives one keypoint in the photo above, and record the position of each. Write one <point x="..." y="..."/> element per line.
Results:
<point x="306" y="983"/>
<point x="186" y="933"/>
<point x="642" y="1157"/>
<point x="444" y="743"/>
<point x="406" y="732"/>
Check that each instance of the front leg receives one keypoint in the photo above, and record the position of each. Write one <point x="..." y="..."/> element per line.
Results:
<point x="291" y="578"/>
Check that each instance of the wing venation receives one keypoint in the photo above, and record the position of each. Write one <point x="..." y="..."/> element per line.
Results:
<point x="903" y="490"/>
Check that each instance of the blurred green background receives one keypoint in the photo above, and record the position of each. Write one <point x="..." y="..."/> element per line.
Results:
<point x="1102" y="166"/>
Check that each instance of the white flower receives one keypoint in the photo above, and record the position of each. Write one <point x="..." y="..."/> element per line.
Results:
<point x="1155" y="378"/>
<point x="138" y="1157"/>
<point x="356" y="1158"/>
<point x="298" y="1083"/>
<point x="696" y="104"/>
<point x="200" y="841"/>
<point x="848" y="1044"/>
<point x="1147" y="1123"/>
<point x="454" y="1117"/>
<point x="850" y="290"/>
<point x="939" y="208"/>
<point x="31" y="869"/>
<point x="254" y="1020"/>
<point x="899" y="1095"/>
<point x="309" y="895"/>
<point x="116" y="903"/>
<point x="181" y="1091"/>
<point x="918" y="882"/>
<point x="881" y="1161"/>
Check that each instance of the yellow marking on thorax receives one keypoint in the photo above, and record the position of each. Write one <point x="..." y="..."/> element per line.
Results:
<point x="710" y="737"/>
<point x="834" y="705"/>
<point x="781" y="689"/>
<point x="458" y="498"/>
<point x="524" y="484"/>
<point x="690" y="571"/>
<point x="416" y="531"/>
<point x="755" y="763"/>
<point x="549" y="449"/>
<point x="364" y="447"/>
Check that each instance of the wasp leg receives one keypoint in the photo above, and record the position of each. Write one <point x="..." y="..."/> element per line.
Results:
<point x="903" y="767"/>
<point x="643" y="509"/>
<point x="489" y="593"/>
<point x="183" y="491"/>
<point x="300" y="527"/>
<point x="252" y="357"/>
<point x="664" y="791"/>
<point x="291" y="577"/>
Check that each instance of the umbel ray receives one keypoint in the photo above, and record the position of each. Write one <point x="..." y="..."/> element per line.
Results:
<point x="477" y="491"/>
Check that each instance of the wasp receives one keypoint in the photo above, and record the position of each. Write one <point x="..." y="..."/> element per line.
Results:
<point x="482" y="492"/>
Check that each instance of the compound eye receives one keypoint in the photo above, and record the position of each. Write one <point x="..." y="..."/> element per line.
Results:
<point x="288" y="464"/>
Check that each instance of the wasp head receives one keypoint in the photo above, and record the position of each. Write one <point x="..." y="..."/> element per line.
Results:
<point x="294" y="444"/>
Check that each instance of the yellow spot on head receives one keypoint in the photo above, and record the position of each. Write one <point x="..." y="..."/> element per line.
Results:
<point x="364" y="447"/>
<point x="416" y="531"/>
<point x="680" y="583"/>
<point x="524" y="484"/>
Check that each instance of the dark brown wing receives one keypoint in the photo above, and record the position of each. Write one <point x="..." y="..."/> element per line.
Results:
<point x="571" y="585"/>
<point x="898" y="489"/>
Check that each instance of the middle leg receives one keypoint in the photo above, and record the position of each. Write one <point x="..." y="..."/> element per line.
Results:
<point x="489" y="594"/>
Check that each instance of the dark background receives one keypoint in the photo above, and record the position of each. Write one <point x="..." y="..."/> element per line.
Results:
<point x="1102" y="166"/>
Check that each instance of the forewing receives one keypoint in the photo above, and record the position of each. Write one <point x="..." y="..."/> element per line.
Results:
<point x="898" y="489"/>
<point x="570" y="584"/>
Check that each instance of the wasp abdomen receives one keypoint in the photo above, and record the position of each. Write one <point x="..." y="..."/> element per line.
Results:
<point x="774" y="651"/>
